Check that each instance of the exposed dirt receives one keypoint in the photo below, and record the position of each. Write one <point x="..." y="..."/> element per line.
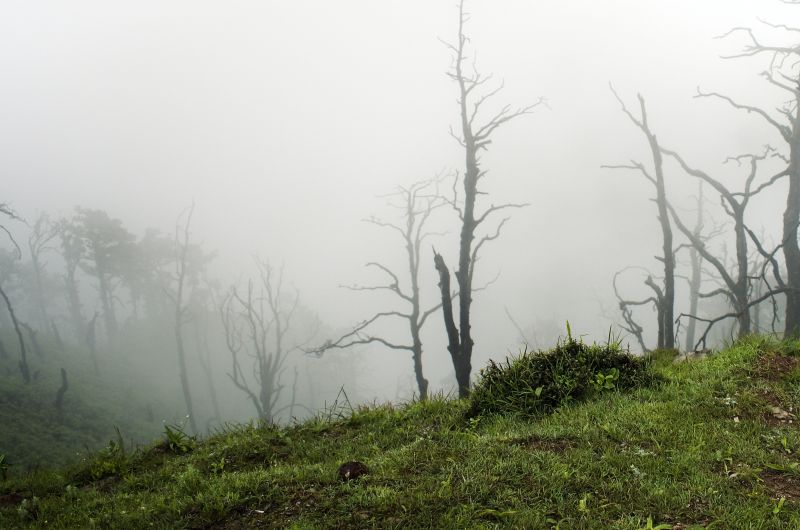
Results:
<point x="10" y="499"/>
<point x="269" y="515"/>
<point x="774" y="367"/>
<point x="781" y="484"/>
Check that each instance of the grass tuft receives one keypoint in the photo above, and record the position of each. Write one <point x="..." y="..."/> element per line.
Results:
<point x="540" y="382"/>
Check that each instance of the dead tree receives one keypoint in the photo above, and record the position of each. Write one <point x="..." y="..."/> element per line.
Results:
<point x="626" y="308"/>
<point x="39" y="242"/>
<point x="59" y="402"/>
<point x="475" y="137"/>
<point x="256" y="326"/>
<point x="664" y="297"/>
<point x="417" y="203"/>
<point x="783" y="74"/>
<point x="696" y="278"/>
<point x="23" y="358"/>
<point x="72" y="252"/>
<point x="91" y="341"/>
<point x="735" y="284"/>
<point x="181" y="246"/>
<point x="7" y="211"/>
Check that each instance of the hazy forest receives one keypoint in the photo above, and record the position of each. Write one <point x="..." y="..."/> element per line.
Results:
<point x="218" y="222"/>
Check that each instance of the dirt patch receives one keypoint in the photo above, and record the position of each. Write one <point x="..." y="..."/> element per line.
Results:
<point x="774" y="367"/>
<point x="781" y="484"/>
<point x="553" y="445"/>
<point x="775" y="413"/>
<point x="10" y="499"/>
<point x="271" y="515"/>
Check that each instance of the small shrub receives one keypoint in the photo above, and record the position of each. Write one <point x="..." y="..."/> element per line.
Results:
<point x="178" y="441"/>
<point x="539" y="382"/>
<point x="110" y="460"/>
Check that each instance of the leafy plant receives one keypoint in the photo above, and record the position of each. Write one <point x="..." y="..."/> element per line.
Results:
<point x="111" y="460"/>
<point x="178" y="441"/>
<point x="605" y="381"/>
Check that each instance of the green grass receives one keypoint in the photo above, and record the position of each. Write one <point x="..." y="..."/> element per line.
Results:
<point x="701" y="448"/>
<point x="34" y="433"/>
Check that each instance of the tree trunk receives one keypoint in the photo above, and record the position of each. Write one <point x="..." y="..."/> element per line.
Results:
<point x="791" y="250"/>
<point x="461" y="367"/>
<point x="74" y="302"/>
<point x="697" y="274"/>
<point x="666" y="308"/>
<point x="23" y="358"/>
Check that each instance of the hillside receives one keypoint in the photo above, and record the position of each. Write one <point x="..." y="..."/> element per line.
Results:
<point x="97" y="405"/>
<point x="713" y="445"/>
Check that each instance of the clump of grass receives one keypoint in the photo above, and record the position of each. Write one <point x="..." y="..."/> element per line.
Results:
<point x="539" y="382"/>
<point x="178" y="441"/>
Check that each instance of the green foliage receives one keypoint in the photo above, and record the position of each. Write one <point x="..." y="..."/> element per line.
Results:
<point x="111" y="460"/>
<point x="539" y="382"/>
<point x="178" y="441"/>
<point x="42" y="436"/>
<point x="694" y="452"/>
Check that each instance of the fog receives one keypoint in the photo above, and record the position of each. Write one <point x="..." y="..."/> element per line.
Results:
<point x="286" y="124"/>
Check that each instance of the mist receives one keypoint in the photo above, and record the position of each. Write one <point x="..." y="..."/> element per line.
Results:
<point x="287" y="124"/>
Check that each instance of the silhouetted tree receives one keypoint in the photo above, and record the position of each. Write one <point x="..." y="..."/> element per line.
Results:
<point x="475" y="137"/>
<point x="782" y="73"/>
<point x="664" y="297"/>
<point x="7" y="212"/>
<point x="72" y="252"/>
<point x="108" y="245"/>
<point x="42" y="234"/>
<point x="417" y="202"/>
<point x="177" y="294"/>
<point x="736" y="284"/>
<point x="256" y="326"/>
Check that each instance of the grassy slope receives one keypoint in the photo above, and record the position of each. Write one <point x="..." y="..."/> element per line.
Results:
<point x="703" y="449"/>
<point x="34" y="433"/>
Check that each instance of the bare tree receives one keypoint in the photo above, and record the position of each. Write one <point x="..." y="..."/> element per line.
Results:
<point x="7" y="211"/>
<point x="696" y="278"/>
<point x="735" y="285"/>
<point x="42" y="234"/>
<point x="782" y="73"/>
<point x="475" y="137"/>
<point x="256" y="326"/>
<point x="182" y="245"/>
<point x="73" y="252"/>
<point x="664" y="298"/>
<point x="417" y="202"/>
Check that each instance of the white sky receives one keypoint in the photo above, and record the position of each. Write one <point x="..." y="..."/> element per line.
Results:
<point x="284" y="120"/>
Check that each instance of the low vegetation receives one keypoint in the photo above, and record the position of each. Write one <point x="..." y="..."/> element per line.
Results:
<point x="712" y="444"/>
<point x="540" y="382"/>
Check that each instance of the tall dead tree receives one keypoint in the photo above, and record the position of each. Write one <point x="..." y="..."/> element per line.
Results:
<point x="182" y="245"/>
<point x="735" y="284"/>
<point x="784" y="74"/>
<point x="39" y="242"/>
<point x="7" y="211"/>
<point x="72" y="252"/>
<point x="696" y="278"/>
<point x="664" y="297"/>
<point x="256" y="326"/>
<point x="417" y="202"/>
<point x="475" y="137"/>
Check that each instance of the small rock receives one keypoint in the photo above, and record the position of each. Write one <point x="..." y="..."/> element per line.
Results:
<point x="781" y="414"/>
<point x="352" y="470"/>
